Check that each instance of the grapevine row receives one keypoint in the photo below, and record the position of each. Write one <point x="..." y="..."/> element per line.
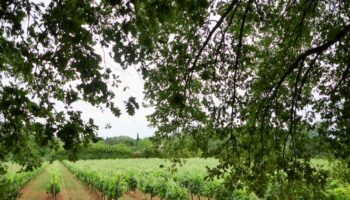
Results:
<point x="108" y="186"/>
<point x="12" y="184"/>
<point x="54" y="186"/>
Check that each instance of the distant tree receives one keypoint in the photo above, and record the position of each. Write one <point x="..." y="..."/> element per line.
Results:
<point x="146" y="148"/>
<point x="137" y="138"/>
<point x="120" y="139"/>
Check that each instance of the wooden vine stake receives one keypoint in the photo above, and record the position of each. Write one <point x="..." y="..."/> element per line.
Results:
<point x="118" y="188"/>
<point x="188" y="191"/>
<point x="54" y="187"/>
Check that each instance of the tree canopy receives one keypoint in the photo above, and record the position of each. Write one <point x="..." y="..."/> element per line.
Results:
<point x="252" y="75"/>
<point x="256" y="75"/>
<point x="47" y="55"/>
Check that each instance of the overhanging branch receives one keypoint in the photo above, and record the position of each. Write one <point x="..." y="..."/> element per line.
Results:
<point x="217" y="25"/>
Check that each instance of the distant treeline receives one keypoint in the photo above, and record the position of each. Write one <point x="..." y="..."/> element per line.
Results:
<point x="186" y="147"/>
<point x="116" y="147"/>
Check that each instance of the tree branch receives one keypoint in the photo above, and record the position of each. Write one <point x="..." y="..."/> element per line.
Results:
<point x="238" y="53"/>
<point x="275" y="87"/>
<point x="303" y="56"/>
<point x="217" y="25"/>
<point x="343" y="77"/>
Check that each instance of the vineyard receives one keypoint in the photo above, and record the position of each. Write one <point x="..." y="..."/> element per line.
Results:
<point x="155" y="178"/>
<point x="112" y="178"/>
<point x="144" y="179"/>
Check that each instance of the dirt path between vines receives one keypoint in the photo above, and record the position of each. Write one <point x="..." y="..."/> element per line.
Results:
<point x="71" y="187"/>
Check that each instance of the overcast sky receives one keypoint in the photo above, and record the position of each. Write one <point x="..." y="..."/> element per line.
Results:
<point x="124" y="125"/>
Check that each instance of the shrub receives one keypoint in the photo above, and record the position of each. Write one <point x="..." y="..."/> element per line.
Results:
<point x="131" y="181"/>
<point x="282" y="186"/>
<point x="341" y="171"/>
<point x="338" y="191"/>
<point x="243" y="194"/>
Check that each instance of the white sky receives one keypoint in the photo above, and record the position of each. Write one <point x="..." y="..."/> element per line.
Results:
<point x="124" y="125"/>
